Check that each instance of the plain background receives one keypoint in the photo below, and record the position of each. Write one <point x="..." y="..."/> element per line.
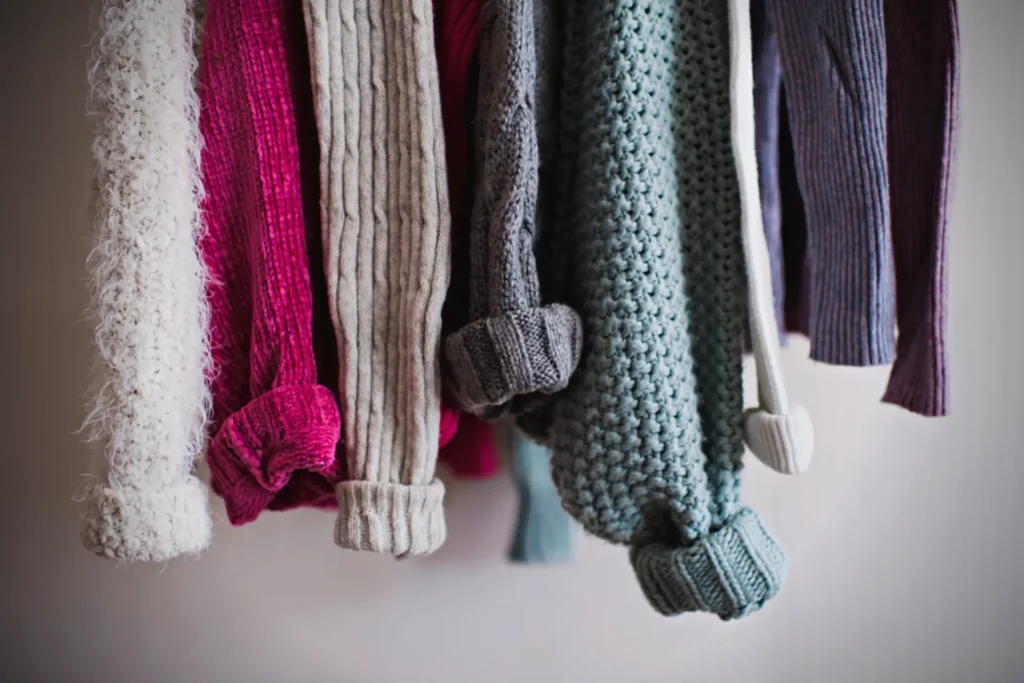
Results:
<point x="905" y="538"/>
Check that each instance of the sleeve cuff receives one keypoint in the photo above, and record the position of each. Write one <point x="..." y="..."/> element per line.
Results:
<point x="527" y="351"/>
<point x="259" y="449"/>
<point x="137" y="525"/>
<point x="732" y="572"/>
<point x="398" y="519"/>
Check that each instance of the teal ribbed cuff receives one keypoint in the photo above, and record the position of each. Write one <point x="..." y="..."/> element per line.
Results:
<point x="730" y="572"/>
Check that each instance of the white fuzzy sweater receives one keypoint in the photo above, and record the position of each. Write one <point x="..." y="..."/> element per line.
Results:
<point x="148" y="279"/>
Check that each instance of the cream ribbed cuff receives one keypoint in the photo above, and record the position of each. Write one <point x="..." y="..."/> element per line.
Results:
<point x="385" y="223"/>
<point x="779" y="434"/>
<point x="390" y="518"/>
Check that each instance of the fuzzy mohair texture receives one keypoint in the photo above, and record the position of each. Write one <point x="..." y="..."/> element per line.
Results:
<point x="149" y="411"/>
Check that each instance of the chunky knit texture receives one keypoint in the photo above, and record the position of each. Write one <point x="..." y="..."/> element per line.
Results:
<point x="385" y="217"/>
<point x="275" y="429"/>
<point x="149" y="413"/>
<point x="514" y="350"/>
<point x="471" y="452"/>
<point x="648" y="437"/>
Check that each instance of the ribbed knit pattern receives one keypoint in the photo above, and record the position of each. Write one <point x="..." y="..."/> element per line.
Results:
<point x="149" y="413"/>
<point x="778" y="432"/>
<point x="275" y="430"/>
<point x="833" y="58"/>
<point x="923" y="45"/>
<point x="514" y="349"/>
<point x="471" y="452"/>
<point x="849" y="95"/>
<point x="385" y="229"/>
<point x="647" y="441"/>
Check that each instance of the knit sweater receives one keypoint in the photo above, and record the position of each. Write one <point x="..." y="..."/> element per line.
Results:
<point x="275" y="428"/>
<point x="514" y="349"/>
<point x="384" y="209"/>
<point x="648" y="436"/>
<point x="149" y="413"/>
<point x="871" y="94"/>
<point x="472" y="452"/>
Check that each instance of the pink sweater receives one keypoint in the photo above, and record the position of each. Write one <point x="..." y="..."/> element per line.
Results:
<point x="275" y="428"/>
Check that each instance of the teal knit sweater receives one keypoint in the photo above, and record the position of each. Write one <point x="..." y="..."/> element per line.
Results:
<point x="645" y="243"/>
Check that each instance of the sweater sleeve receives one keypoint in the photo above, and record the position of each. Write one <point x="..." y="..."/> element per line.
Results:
<point x="275" y="429"/>
<point x="386" y="228"/>
<point x="150" y="412"/>
<point x="922" y="41"/>
<point x="513" y="345"/>
<point x="834" y="71"/>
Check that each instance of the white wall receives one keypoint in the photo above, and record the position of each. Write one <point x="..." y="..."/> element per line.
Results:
<point x="905" y="539"/>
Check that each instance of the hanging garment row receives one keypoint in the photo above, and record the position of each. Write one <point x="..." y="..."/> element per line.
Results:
<point x="338" y="240"/>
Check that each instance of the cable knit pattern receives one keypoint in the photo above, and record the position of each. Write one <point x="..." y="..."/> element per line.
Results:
<point x="385" y="229"/>
<point x="272" y="420"/>
<point x="648" y="435"/>
<point x="150" y="411"/>
<point x="513" y="346"/>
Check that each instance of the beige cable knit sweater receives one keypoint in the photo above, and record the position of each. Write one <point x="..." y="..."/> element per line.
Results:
<point x="386" y="226"/>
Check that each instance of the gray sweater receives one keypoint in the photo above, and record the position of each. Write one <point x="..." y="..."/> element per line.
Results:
<point x="515" y="349"/>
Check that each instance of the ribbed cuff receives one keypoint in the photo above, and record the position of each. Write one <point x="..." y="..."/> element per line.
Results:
<point x="784" y="443"/>
<point x="730" y="572"/>
<point x="398" y="519"/>
<point x="527" y="351"/>
<point x="136" y="525"/>
<point x="257" y="450"/>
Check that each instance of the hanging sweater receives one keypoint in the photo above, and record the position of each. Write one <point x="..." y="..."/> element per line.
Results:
<point x="275" y="429"/>
<point x="871" y="95"/>
<point x="514" y="350"/>
<point x="149" y="413"/>
<point x="384" y="208"/>
<point x="648" y="436"/>
<point x="471" y="452"/>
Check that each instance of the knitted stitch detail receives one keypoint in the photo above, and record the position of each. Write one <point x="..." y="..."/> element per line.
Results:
<point x="731" y="572"/>
<point x="513" y="345"/>
<point x="149" y="413"/>
<point x="384" y="208"/>
<point x="646" y="246"/>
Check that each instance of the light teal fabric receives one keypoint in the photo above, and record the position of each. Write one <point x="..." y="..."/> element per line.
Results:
<point x="644" y="241"/>
<point x="543" y="532"/>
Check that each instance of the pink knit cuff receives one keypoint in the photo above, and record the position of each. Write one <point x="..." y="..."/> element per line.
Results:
<point x="281" y="441"/>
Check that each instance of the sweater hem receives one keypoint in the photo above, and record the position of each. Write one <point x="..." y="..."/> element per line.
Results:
<point x="259" y="450"/>
<point x="398" y="519"/>
<point x="732" y="571"/>
<point x="516" y="353"/>
<point x="147" y="525"/>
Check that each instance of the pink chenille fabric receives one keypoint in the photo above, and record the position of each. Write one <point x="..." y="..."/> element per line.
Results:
<point x="276" y="428"/>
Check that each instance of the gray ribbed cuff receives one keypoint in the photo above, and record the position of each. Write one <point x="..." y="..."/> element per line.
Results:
<point x="730" y="572"/>
<point x="398" y="519"/>
<point x="527" y="351"/>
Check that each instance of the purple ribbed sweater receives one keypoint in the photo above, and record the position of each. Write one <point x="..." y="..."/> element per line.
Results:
<point x="871" y="94"/>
